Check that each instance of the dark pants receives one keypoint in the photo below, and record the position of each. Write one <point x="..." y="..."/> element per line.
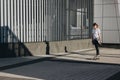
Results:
<point x="96" y="44"/>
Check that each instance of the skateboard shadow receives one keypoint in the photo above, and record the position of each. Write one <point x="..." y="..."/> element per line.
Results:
<point x="92" y="58"/>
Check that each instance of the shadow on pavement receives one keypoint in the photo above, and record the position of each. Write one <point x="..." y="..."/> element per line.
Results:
<point x="53" y="59"/>
<point x="115" y="77"/>
<point x="20" y="64"/>
<point x="52" y="68"/>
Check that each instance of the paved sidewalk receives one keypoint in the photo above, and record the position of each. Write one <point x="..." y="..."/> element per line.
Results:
<point x="6" y="63"/>
<point x="11" y="63"/>
<point x="108" y="56"/>
<point x="11" y="78"/>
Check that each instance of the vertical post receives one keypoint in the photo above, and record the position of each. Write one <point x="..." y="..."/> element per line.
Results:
<point x="68" y="20"/>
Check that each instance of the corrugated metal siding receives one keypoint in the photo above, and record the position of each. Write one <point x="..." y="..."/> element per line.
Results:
<point x="34" y="20"/>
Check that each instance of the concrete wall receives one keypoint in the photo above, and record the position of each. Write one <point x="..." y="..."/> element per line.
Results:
<point x="42" y="48"/>
<point x="107" y="15"/>
<point x="58" y="46"/>
<point x="72" y="45"/>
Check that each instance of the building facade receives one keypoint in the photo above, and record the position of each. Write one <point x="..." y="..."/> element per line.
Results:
<point x="34" y="27"/>
<point x="107" y="15"/>
<point x="44" y="20"/>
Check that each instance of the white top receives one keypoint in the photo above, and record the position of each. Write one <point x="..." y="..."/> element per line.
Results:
<point x="96" y="33"/>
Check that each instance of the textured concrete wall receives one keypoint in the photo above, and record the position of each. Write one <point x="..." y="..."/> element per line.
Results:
<point x="58" y="46"/>
<point x="42" y="48"/>
<point x="72" y="45"/>
<point x="36" y="48"/>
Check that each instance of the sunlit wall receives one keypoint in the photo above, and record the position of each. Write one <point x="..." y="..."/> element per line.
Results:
<point x="107" y="15"/>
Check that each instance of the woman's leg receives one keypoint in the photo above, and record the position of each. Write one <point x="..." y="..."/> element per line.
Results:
<point x="97" y="49"/>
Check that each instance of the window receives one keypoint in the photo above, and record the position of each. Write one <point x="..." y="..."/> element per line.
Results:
<point x="79" y="19"/>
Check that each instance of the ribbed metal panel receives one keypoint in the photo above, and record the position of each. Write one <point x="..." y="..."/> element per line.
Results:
<point x="40" y="20"/>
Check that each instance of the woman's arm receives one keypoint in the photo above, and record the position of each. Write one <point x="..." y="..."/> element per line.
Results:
<point x="100" y="37"/>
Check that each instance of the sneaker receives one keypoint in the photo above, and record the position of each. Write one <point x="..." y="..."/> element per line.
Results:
<point x="96" y="57"/>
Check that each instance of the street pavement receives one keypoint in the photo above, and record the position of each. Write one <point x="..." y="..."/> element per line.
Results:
<point x="76" y="65"/>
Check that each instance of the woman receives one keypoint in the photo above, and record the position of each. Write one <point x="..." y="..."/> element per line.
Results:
<point x="96" y="39"/>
